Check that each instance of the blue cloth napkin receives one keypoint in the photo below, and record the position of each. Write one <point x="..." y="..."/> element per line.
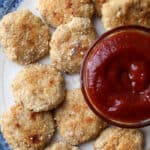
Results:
<point x="7" y="6"/>
<point x="3" y="144"/>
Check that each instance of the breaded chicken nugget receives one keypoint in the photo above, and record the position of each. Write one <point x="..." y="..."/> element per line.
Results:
<point x="61" y="146"/>
<point x="98" y="6"/>
<point x="26" y="130"/>
<point x="115" y="138"/>
<point x="57" y="12"/>
<point x="24" y="37"/>
<point x="70" y="42"/>
<point x="75" y="121"/>
<point x="39" y="87"/>
<point x="126" y="12"/>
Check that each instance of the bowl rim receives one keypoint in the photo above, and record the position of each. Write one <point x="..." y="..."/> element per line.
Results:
<point x="83" y="89"/>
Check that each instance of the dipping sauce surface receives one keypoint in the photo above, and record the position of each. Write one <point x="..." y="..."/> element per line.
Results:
<point x="117" y="76"/>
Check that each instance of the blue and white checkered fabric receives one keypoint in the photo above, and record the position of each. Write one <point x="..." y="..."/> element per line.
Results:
<point x="7" y="6"/>
<point x="3" y="144"/>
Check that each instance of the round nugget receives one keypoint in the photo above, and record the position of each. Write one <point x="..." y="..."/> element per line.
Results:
<point x="61" y="146"/>
<point x="57" y="12"/>
<point x="24" y="37"/>
<point x="115" y="138"/>
<point x="70" y="42"/>
<point x="26" y="130"/>
<point x="98" y="5"/>
<point x="76" y="122"/>
<point x="126" y="12"/>
<point x="39" y="87"/>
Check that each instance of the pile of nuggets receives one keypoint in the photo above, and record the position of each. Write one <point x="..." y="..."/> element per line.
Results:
<point x="42" y="104"/>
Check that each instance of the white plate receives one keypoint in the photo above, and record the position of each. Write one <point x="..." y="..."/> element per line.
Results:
<point x="9" y="69"/>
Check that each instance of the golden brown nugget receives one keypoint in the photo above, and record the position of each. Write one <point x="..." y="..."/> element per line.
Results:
<point x="70" y="42"/>
<point x="39" y="87"/>
<point x="24" y="37"/>
<point x="57" y="12"/>
<point x="26" y="130"/>
<point x="115" y="138"/>
<point x="98" y="6"/>
<point x="61" y="146"/>
<point x="126" y="12"/>
<point x="75" y="121"/>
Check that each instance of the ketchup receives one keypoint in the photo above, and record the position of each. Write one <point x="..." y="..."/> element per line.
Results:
<point x="117" y="76"/>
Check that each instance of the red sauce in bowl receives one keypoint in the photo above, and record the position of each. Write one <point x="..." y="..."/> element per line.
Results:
<point x="116" y="75"/>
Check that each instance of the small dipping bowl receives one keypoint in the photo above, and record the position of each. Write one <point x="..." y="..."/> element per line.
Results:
<point x="115" y="76"/>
